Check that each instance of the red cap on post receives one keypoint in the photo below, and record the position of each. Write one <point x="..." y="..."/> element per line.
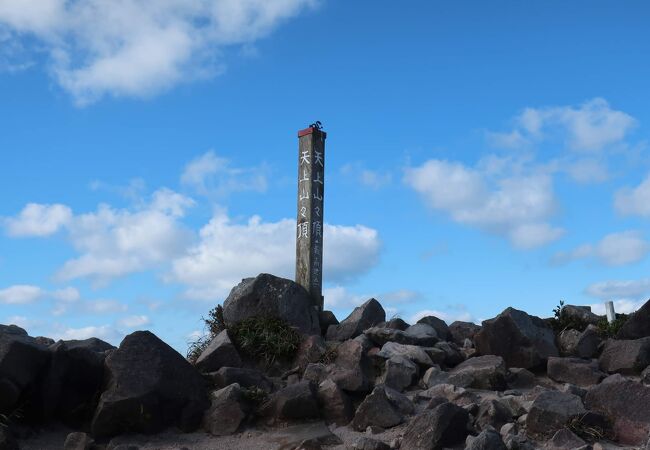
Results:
<point x="310" y="130"/>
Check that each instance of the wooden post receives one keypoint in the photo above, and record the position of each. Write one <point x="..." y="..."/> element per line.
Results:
<point x="311" y="191"/>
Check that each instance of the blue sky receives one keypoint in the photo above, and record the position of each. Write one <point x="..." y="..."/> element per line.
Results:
<point x="479" y="155"/>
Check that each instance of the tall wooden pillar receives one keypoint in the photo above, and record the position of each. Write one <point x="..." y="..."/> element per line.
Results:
<point x="311" y="191"/>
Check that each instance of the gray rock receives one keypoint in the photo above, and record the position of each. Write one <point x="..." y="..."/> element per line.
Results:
<point x="381" y="335"/>
<point x="482" y="372"/>
<point x="580" y="314"/>
<point x="296" y="401"/>
<point x="400" y="401"/>
<point x="564" y="439"/>
<point x="581" y="372"/>
<point x="78" y="441"/>
<point x="336" y="404"/>
<point x="442" y="330"/>
<point x="363" y="317"/>
<point x="551" y="411"/>
<point x="366" y="443"/>
<point x="150" y="387"/>
<point x="221" y="352"/>
<point x="423" y="334"/>
<point x="522" y="340"/>
<point x="352" y="369"/>
<point x="626" y="357"/>
<point x="412" y="352"/>
<point x="626" y="404"/>
<point x="377" y="410"/>
<point x="637" y="325"/>
<point x="308" y="433"/>
<point x="519" y="378"/>
<point x="460" y="331"/>
<point x="311" y="350"/>
<point x="399" y="373"/>
<point x="453" y="357"/>
<point x="270" y="296"/>
<point x="645" y="376"/>
<point x="492" y="413"/>
<point x="226" y="412"/>
<point x="487" y="440"/>
<point x="397" y="324"/>
<point x="246" y="378"/>
<point x="92" y="344"/>
<point x="581" y="344"/>
<point x="443" y="426"/>
<point x="315" y="373"/>
<point x="325" y="319"/>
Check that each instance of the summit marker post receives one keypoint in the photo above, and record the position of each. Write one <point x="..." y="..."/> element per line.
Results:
<point x="311" y="191"/>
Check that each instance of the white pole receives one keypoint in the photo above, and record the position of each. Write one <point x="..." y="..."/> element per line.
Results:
<point x="609" y="309"/>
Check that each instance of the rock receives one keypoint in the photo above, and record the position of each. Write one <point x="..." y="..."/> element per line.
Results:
<point x="637" y="325"/>
<point x="352" y="369"/>
<point x="226" y="412"/>
<point x="290" y="437"/>
<point x="397" y="324"/>
<point x="315" y="373"/>
<point x="519" y="378"/>
<point x="442" y="330"/>
<point x="311" y="350"/>
<point x="460" y="331"/>
<point x="626" y="357"/>
<point x="581" y="372"/>
<point x="7" y="441"/>
<point x="21" y="361"/>
<point x="246" y="378"/>
<point x="573" y="389"/>
<point x="564" y="439"/>
<point x="581" y="344"/>
<point x="492" y="413"/>
<point x="443" y="426"/>
<point x="482" y="372"/>
<point x="645" y="376"/>
<point x="626" y="404"/>
<point x="294" y="402"/>
<point x="579" y="314"/>
<point x="412" y="352"/>
<point x="73" y="380"/>
<point x="221" y="352"/>
<point x="366" y="443"/>
<point x="150" y="387"/>
<point x="400" y="401"/>
<point x="399" y="373"/>
<point x="438" y="356"/>
<point x="487" y="440"/>
<point x="78" y="441"/>
<point x="381" y="335"/>
<point x="551" y="411"/>
<point x="450" y="393"/>
<point x="377" y="410"/>
<point x="423" y="334"/>
<point x="363" y="317"/>
<point x="325" y="319"/>
<point x="453" y="357"/>
<point x="270" y="296"/>
<point x="336" y="404"/>
<point x="522" y="340"/>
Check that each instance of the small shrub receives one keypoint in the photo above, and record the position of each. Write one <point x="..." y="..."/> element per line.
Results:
<point x="590" y="433"/>
<point x="561" y="322"/>
<point x="265" y="339"/>
<point x="195" y="348"/>
<point x="214" y="325"/>
<point x="609" y="330"/>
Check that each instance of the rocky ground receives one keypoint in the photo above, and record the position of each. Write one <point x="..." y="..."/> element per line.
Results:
<point x="514" y="382"/>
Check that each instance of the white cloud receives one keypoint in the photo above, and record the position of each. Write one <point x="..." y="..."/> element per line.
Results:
<point x="104" y="307"/>
<point x="621" y="306"/>
<point x="615" y="249"/>
<point x="448" y="317"/>
<point x="38" y="220"/>
<point x="21" y="294"/>
<point x="114" y="243"/>
<point x="373" y="179"/>
<point x="586" y="171"/>
<point x="228" y="252"/>
<point x="105" y="332"/>
<point x="516" y="206"/>
<point x="212" y="175"/>
<point x="340" y="297"/>
<point x="591" y="127"/>
<point x="139" y="48"/>
<point x="634" y="201"/>
<point x="68" y="294"/>
<point x="613" y="289"/>
<point x="134" y="321"/>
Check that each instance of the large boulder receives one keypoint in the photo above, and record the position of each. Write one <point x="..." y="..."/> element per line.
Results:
<point x="226" y="412"/>
<point x="363" y="317"/>
<point x="294" y="402"/>
<point x="443" y="426"/>
<point x="626" y="404"/>
<point x="73" y="380"/>
<point x="488" y="440"/>
<point x="442" y="330"/>
<point x="625" y="356"/>
<point x="399" y="373"/>
<point x="423" y="334"/>
<point x="460" y="331"/>
<point x="551" y="411"/>
<point x="336" y="405"/>
<point x="581" y="372"/>
<point x="22" y="359"/>
<point x="377" y="410"/>
<point x="481" y="372"/>
<point x="270" y="296"/>
<point x="579" y="315"/>
<point x="637" y="325"/>
<point x="492" y="413"/>
<point x="352" y="369"/>
<point x="583" y="344"/>
<point x="522" y="340"/>
<point x="150" y="386"/>
<point x="412" y="352"/>
<point x="221" y="352"/>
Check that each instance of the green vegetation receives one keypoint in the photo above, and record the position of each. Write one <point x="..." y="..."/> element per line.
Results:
<point x="267" y="339"/>
<point x="561" y="322"/>
<point x="609" y="330"/>
<point x="214" y="325"/>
